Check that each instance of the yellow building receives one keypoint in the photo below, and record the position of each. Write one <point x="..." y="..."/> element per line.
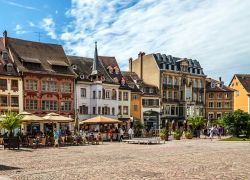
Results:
<point x="241" y="84"/>
<point x="11" y="85"/>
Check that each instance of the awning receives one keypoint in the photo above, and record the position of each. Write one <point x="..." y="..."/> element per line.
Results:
<point x="29" y="117"/>
<point x="100" y="120"/>
<point x="56" y="117"/>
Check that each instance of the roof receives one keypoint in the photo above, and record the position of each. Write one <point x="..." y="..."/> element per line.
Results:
<point x="37" y="57"/>
<point x="164" y="61"/>
<point x="218" y="86"/>
<point x="83" y="68"/>
<point x="244" y="80"/>
<point x="11" y="71"/>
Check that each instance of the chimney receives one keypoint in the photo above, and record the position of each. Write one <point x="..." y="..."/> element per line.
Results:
<point x="130" y="64"/>
<point x="220" y="79"/>
<point x="5" y="39"/>
<point x="140" y="58"/>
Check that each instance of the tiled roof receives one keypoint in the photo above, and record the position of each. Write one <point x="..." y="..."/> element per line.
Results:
<point x="216" y="87"/>
<point x="5" y="63"/>
<point x="244" y="80"/>
<point x="83" y="68"/>
<point x="164" y="61"/>
<point x="36" y="57"/>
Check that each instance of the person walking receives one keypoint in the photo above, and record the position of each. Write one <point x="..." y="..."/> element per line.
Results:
<point x="219" y="132"/>
<point x="56" y="138"/>
<point x="121" y="132"/>
<point x="211" y="133"/>
<point x="130" y="132"/>
<point x="110" y="132"/>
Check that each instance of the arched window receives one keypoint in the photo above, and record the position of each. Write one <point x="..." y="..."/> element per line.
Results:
<point x="113" y="94"/>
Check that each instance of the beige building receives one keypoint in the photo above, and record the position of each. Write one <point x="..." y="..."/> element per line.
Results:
<point x="181" y="82"/>
<point x="11" y="85"/>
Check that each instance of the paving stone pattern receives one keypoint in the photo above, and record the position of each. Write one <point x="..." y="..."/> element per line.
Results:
<point x="184" y="159"/>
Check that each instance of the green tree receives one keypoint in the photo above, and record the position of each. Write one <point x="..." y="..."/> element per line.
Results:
<point x="11" y="121"/>
<point x="237" y="123"/>
<point x="195" y="122"/>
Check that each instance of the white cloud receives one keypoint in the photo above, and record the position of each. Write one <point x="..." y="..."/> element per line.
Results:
<point x="31" y="24"/>
<point x="48" y="25"/>
<point x="56" y="12"/>
<point x="20" y="5"/>
<point x="214" y="32"/>
<point x="19" y="29"/>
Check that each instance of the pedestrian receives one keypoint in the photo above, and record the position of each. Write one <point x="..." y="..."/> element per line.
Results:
<point x="130" y="132"/>
<point x="211" y="133"/>
<point x="56" y="138"/>
<point x="219" y="132"/>
<point x="110" y="132"/>
<point x="121" y="132"/>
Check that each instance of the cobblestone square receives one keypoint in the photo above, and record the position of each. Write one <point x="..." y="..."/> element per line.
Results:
<point x="185" y="159"/>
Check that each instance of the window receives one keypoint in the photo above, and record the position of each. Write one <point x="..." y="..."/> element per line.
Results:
<point x="65" y="87"/>
<point x="135" y="97"/>
<point x="211" y="95"/>
<point x="99" y="110"/>
<point x="210" y="104"/>
<point x="94" y="94"/>
<point x="119" y="110"/>
<point x="83" y="92"/>
<point x="14" y="101"/>
<point x="227" y="95"/>
<point x="125" y="110"/>
<point x="210" y="115"/>
<point x="237" y="93"/>
<point x="227" y="105"/>
<point x="83" y="109"/>
<point x="94" y="110"/>
<point x="3" y="84"/>
<point x="175" y="82"/>
<point x="50" y="86"/>
<point x="170" y="80"/>
<point x="14" y="85"/>
<point x="169" y="94"/>
<point x="113" y="111"/>
<point x="219" y="95"/>
<point x="107" y="94"/>
<point x="3" y="100"/>
<point x="219" y="115"/>
<point x="106" y="110"/>
<point x="100" y="94"/>
<point x="31" y="85"/>
<point x="164" y="80"/>
<point x="175" y="95"/>
<point x="150" y="102"/>
<point x="120" y="96"/>
<point x="31" y="104"/>
<point x="125" y="96"/>
<point x="113" y="94"/>
<point x="49" y="105"/>
<point x="172" y="110"/>
<point x="219" y="105"/>
<point x="167" y="110"/>
<point x="135" y="107"/>
<point x="164" y="94"/>
<point x="66" y="106"/>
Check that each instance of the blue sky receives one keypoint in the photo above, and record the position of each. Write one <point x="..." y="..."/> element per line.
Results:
<point x="215" y="32"/>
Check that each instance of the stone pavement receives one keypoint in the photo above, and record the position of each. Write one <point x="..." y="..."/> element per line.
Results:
<point x="184" y="159"/>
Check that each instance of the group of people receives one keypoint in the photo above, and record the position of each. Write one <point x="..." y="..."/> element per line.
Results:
<point x="214" y="130"/>
<point x="120" y="132"/>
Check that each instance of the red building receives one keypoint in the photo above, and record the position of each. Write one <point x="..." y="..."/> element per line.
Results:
<point x="48" y="79"/>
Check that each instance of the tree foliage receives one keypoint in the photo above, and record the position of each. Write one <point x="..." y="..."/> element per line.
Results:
<point x="195" y="122"/>
<point x="237" y="123"/>
<point x="11" y="121"/>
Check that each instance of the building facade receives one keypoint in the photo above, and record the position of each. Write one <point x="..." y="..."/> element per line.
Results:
<point x="181" y="83"/>
<point x="241" y="84"/>
<point x="96" y="91"/>
<point x="48" y="79"/>
<point x="145" y="101"/>
<point x="11" y="84"/>
<point x="219" y="99"/>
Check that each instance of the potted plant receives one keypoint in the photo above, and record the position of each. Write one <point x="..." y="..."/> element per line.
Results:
<point x="10" y="122"/>
<point x="164" y="134"/>
<point x="177" y="134"/>
<point x="189" y="134"/>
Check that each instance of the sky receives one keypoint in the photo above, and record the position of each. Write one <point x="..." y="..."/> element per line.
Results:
<point x="215" y="32"/>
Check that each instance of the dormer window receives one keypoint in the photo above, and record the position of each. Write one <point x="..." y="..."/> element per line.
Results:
<point x="123" y="81"/>
<point x="9" y="68"/>
<point x="116" y="80"/>
<point x="110" y="69"/>
<point x="74" y="67"/>
<point x="4" y="55"/>
<point x="116" y="70"/>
